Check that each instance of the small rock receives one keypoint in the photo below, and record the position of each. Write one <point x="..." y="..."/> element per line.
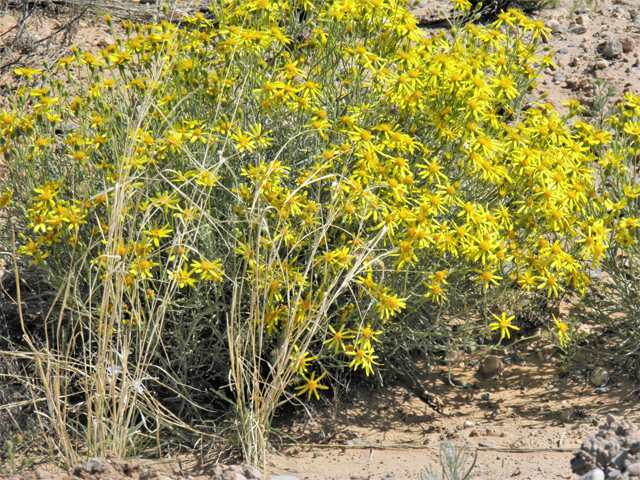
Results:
<point x="595" y="474"/>
<point x="601" y="63"/>
<point x="614" y="474"/>
<point x="559" y="30"/>
<point x="634" y="447"/>
<point x="485" y="396"/>
<point x="602" y="390"/>
<point x="558" y="78"/>
<point x="634" y="14"/>
<point x="577" y="29"/>
<point x="317" y="455"/>
<point x="357" y="442"/>
<point x="598" y="376"/>
<point x="562" y="51"/>
<point x="553" y="23"/>
<point x="103" y="43"/>
<point x="620" y="459"/>
<point x="477" y="385"/>
<point x="565" y="415"/>
<point x="574" y="62"/>
<point x="388" y="476"/>
<point x="612" y="49"/>
<point x="516" y="358"/>
<point x="252" y="472"/>
<point x="627" y="44"/>
<point x="284" y="477"/>
<point x="42" y="474"/>
<point x="467" y="423"/>
<point x="583" y="20"/>
<point x="634" y="469"/>
<point x="491" y="366"/>
<point x="228" y="475"/>
<point x="473" y="433"/>
<point x="485" y="444"/>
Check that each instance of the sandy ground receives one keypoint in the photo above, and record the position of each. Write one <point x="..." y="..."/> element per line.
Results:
<point x="530" y="424"/>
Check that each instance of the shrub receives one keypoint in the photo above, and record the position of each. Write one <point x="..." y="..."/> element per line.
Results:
<point x="299" y="188"/>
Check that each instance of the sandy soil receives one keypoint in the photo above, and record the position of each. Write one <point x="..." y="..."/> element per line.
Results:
<point x="530" y="424"/>
<point x="525" y="423"/>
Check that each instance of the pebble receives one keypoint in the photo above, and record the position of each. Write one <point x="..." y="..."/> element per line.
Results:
<point x="577" y="29"/>
<point x="612" y="49"/>
<point x="620" y="460"/>
<point x="559" y="30"/>
<point x="627" y="44"/>
<point x="558" y="78"/>
<point x="634" y="469"/>
<point x="553" y="23"/>
<point x="485" y="444"/>
<point x="491" y="366"/>
<point x="485" y="396"/>
<point x="602" y="390"/>
<point x="634" y="14"/>
<point x="252" y="472"/>
<point x="583" y="20"/>
<point x="601" y="63"/>
<point x="595" y="474"/>
<point x="468" y="424"/>
<point x="563" y="51"/>
<point x="516" y="358"/>
<point x="357" y="442"/>
<point x="599" y="375"/>
<point x="614" y="474"/>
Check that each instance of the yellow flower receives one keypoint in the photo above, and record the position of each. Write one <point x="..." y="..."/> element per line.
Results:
<point x="300" y="360"/>
<point x="142" y="267"/>
<point x="312" y="385"/>
<point x="390" y="305"/>
<point x="562" y="329"/>
<point x="209" y="270"/>
<point x="503" y="324"/>
<point x="183" y="277"/>
<point x="27" y="72"/>
<point x="366" y="334"/>
<point x="337" y="341"/>
<point x="158" y="233"/>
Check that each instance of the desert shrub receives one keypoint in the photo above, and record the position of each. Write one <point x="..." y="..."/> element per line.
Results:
<point x="613" y="297"/>
<point x="300" y="188"/>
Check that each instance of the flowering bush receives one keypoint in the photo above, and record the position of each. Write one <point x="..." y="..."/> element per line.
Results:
<point x="296" y="186"/>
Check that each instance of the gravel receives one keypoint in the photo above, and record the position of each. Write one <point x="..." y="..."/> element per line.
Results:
<point x="613" y="453"/>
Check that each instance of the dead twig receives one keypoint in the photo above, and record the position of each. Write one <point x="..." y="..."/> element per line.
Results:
<point x="410" y="446"/>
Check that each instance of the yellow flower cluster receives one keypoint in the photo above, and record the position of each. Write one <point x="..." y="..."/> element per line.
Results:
<point x="336" y="136"/>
